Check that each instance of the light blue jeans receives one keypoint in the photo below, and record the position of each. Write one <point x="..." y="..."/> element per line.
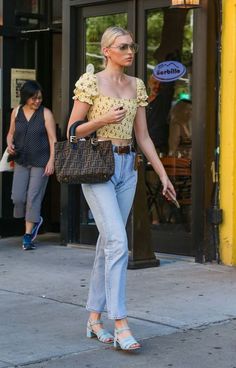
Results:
<point x="110" y="203"/>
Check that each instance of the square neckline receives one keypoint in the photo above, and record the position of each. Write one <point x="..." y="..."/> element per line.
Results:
<point x="117" y="98"/>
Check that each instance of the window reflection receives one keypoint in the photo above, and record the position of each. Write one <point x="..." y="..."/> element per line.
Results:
<point x="95" y="26"/>
<point x="169" y="114"/>
<point x="27" y="6"/>
<point x="180" y="130"/>
<point x="169" y="37"/>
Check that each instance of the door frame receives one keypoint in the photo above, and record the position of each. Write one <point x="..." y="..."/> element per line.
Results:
<point x="74" y="13"/>
<point x="199" y="114"/>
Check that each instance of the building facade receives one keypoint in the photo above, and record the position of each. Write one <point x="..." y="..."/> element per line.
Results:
<point x="58" y="39"/>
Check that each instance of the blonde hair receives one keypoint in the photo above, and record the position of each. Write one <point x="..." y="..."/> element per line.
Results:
<point x="109" y="36"/>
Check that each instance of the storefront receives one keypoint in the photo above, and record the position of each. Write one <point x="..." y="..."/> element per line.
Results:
<point x="164" y="34"/>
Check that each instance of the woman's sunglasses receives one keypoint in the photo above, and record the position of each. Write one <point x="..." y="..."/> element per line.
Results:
<point x="125" y="46"/>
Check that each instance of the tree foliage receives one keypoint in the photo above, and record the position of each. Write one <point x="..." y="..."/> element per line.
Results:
<point x="95" y="26"/>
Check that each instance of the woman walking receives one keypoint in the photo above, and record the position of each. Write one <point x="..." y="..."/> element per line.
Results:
<point x="114" y="104"/>
<point x="30" y="142"/>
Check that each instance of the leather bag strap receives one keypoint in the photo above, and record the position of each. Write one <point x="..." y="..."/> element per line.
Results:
<point x="72" y="135"/>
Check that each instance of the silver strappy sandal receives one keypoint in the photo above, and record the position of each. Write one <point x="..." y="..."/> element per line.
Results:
<point x="102" y="334"/>
<point x="126" y="343"/>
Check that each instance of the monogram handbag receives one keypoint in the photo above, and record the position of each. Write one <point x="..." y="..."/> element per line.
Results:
<point x="87" y="161"/>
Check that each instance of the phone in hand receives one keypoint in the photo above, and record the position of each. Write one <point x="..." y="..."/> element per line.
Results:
<point x="173" y="199"/>
<point x="175" y="202"/>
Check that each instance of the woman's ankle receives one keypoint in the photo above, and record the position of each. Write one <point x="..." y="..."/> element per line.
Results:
<point x="121" y="323"/>
<point x="94" y="316"/>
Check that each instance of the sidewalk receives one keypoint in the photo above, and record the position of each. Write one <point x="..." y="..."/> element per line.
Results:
<point x="183" y="313"/>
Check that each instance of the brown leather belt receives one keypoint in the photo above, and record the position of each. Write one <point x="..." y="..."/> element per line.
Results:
<point x="123" y="149"/>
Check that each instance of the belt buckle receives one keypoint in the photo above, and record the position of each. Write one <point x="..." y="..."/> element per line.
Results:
<point x="121" y="150"/>
<point x="125" y="149"/>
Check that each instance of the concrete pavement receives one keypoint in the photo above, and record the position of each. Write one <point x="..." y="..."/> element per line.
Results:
<point x="184" y="313"/>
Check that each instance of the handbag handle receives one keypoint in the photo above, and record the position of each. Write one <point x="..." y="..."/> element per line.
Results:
<point x="72" y="135"/>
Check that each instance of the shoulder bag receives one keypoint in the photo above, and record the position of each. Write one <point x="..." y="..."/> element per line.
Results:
<point x="87" y="161"/>
<point x="5" y="163"/>
<point x="7" y="160"/>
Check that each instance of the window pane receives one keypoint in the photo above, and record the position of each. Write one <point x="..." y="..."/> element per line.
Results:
<point x="27" y="6"/>
<point x="95" y="26"/>
<point x="169" y="38"/>
<point x="27" y="14"/>
<point x="57" y="12"/>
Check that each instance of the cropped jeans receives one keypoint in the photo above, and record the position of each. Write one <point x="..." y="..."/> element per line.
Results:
<point x="28" y="189"/>
<point x="110" y="203"/>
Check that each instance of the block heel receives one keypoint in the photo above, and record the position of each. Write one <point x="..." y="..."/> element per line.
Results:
<point x="102" y="334"/>
<point x="90" y="334"/>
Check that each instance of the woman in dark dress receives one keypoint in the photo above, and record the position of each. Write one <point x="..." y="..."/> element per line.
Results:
<point x="30" y="141"/>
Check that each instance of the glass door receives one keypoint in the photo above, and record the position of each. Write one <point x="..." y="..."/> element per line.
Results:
<point x="93" y="22"/>
<point x="167" y="46"/>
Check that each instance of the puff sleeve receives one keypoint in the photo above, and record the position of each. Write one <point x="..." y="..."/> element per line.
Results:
<point x="141" y="93"/>
<point x="86" y="88"/>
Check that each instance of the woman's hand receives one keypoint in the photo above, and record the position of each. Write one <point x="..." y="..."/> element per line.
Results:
<point x="49" y="169"/>
<point x="80" y="111"/>
<point x="11" y="149"/>
<point x="114" y="116"/>
<point x="168" y="190"/>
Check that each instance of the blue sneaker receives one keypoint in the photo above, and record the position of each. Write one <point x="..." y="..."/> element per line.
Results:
<point x="27" y="242"/>
<point x="36" y="227"/>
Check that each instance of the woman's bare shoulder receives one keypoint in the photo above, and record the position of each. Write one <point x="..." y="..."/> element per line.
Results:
<point x="46" y="110"/>
<point x="132" y="80"/>
<point x="47" y="113"/>
<point x="130" y="77"/>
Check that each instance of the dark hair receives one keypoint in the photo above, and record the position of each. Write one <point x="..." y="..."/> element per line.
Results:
<point x="28" y="90"/>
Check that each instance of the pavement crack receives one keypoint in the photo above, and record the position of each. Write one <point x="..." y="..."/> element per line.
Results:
<point x="210" y="324"/>
<point x="44" y="297"/>
<point x="155" y="322"/>
<point x="54" y="358"/>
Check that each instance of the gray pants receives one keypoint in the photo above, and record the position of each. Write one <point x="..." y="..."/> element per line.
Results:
<point x="28" y="189"/>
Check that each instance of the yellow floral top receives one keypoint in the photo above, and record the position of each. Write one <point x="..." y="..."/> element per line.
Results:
<point x="86" y="90"/>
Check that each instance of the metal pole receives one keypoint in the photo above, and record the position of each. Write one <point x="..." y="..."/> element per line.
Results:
<point x="215" y="213"/>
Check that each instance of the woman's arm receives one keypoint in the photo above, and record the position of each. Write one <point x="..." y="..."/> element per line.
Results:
<point x="147" y="147"/>
<point x="10" y="134"/>
<point x="51" y="132"/>
<point x="79" y="112"/>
